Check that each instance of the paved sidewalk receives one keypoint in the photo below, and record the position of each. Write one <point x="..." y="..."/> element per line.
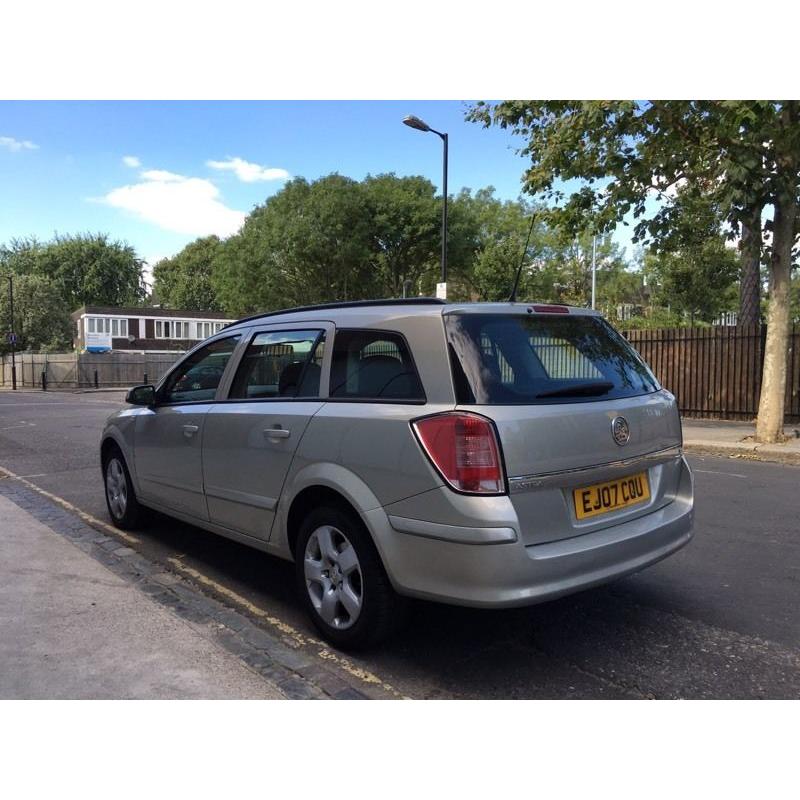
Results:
<point x="735" y="439"/>
<point x="71" y="628"/>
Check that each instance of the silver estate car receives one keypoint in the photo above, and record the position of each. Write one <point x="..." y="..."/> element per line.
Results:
<point x="480" y="454"/>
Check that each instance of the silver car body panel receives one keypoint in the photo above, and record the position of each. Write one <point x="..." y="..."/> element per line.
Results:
<point x="520" y="547"/>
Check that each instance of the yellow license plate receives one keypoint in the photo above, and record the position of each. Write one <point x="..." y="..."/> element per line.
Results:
<point x="600" y="498"/>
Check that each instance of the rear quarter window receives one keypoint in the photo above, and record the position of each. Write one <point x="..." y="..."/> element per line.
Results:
<point x="373" y="365"/>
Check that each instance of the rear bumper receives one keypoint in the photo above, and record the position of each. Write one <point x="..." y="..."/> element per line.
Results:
<point x="507" y="574"/>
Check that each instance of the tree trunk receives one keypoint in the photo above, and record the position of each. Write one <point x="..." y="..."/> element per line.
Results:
<point x="769" y="427"/>
<point x="750" y="280"/>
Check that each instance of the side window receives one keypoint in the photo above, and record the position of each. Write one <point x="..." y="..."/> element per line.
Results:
<point x="280" y="364"/>
<point x="199" y="375"/>
<point x="373" y="365"/>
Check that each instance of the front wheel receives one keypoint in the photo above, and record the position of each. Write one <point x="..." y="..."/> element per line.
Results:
<point x="123" y="507"/>
<point x="342" y="582"/>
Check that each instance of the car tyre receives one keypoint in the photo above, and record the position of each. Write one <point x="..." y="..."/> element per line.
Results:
<point x="342" y="582"/>
<point x="123" y="507"/>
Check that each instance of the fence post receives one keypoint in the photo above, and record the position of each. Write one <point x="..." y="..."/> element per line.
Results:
<point x="96" y="380"/>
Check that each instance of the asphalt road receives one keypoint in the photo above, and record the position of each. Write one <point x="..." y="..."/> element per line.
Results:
<point x="720" y="619"/>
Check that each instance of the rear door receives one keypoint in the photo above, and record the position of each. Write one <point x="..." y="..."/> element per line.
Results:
<point x="558" y="385"/>
<point x="250" y="437"/>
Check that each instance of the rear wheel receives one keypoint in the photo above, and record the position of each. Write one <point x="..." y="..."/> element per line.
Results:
<point x="342" y="582"/>
<point x="123" y="507"/>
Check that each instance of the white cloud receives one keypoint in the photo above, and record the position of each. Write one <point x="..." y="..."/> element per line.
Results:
<point x="131" y="161"/>
<point x="15" y="145"/>
<point x="190" y="206"/>
<point x="163" y="175"/>
<point x="249" y="172"/>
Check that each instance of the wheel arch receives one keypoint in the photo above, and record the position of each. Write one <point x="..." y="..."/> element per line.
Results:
<point x="322" y="484"/>
<point x="114" y="438"/>
<point x="108" y="445"/>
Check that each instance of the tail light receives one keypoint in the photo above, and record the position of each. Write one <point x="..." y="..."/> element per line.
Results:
<point x="463" y="447"/>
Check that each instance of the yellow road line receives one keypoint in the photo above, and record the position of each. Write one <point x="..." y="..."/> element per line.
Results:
<point x="93" y="521"/>
<point x="301" y="639"/>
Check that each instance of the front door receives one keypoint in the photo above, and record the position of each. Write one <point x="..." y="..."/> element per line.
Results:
<point x="249" y="440"/>
<point x="168" y="437"/>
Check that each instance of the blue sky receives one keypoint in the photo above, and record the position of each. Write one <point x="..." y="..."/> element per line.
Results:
<point x="195" y="168"/>
<point x="73" y="179"/>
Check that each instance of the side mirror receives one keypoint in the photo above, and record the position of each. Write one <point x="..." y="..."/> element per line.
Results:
<point x="141" y="395"/>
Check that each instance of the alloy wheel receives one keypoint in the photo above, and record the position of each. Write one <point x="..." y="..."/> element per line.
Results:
<point x="333" y="577"/>
<point x="116" y="488"/>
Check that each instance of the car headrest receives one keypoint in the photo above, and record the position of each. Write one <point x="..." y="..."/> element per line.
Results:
<point x="381" y="376"/>
<point x="310" y="384"/>
<point x="289" y="378"/>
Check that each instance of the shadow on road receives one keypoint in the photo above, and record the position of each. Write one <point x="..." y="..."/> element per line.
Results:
<point x="606" y="642"/>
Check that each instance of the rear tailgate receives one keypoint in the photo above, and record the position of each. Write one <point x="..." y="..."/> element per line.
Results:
<point x="549" y="451"/>
<point x="554" y="381"/>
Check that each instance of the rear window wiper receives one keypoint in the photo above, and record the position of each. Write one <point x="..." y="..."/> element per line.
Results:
<point x="579" y="389"/>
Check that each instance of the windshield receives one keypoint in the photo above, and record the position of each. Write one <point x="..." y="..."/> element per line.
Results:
<point x="502" y="359"/>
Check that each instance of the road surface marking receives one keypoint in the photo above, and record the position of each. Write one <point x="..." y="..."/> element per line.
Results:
<point x="93" y="521"/>
<point x="66" y="403"/>
<point x="28" y="405"/>
<point x="717" y="472"/>
<point x="300" y="638"/>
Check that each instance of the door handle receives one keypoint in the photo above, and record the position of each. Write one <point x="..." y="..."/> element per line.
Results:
<point x="277" y="433"/>
<point x="190" y="430"/>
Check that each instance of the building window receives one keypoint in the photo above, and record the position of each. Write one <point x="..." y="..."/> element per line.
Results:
<point x="119" y="327"/>
<point x="206" y="329"/>
<point x="172" y="329"/>
<point x="114" y="327"/>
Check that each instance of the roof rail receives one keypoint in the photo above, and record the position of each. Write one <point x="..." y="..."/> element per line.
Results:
<point x="406" y="301"/>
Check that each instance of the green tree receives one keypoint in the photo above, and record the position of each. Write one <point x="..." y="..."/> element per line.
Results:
<point x="695" y="270"/>
<point x="700" y="283"/>
<point x="403" y="231"/>
<point x="308" y="243"/>
<point x="185" y="280"/>
<point x="86" y="269"/>
<point x="492" y="236"/>
<point x="41" y="315"/>
<point x="621" y="153"/>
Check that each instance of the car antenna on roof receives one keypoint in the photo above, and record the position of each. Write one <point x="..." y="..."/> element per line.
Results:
<point x="513" y="297"/>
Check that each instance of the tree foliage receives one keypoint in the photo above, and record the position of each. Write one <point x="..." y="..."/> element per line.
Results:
<point x="693" y="268"/>
<point x="52" y="279"/>
<point x="597" y="162"/>
<point x="85" y="269"/>
<point x="185" y="280"/>
<point x="41" y="315"/>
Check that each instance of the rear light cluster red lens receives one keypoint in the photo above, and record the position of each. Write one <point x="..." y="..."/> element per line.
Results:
<point x="463" y="448"/>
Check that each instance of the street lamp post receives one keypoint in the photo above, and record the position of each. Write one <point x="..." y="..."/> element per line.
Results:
<point x="419" y="125"/>
<point x="12" y="336"/>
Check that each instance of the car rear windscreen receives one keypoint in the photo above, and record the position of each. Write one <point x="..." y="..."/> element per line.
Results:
<point x="509" y="359"/>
